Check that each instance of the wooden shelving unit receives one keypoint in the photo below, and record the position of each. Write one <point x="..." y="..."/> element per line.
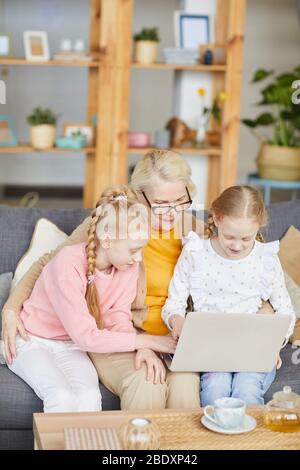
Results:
<point x="27" y="148"/>
<point x="56" y="63"/>
<point x="114" y="35"/>
<point x="195" y="68"/>
<point x="210" y="151"/>
<point x="108" y="95"/>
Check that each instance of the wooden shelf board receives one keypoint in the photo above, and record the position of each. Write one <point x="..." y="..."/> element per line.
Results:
<point x="210" y="151"/>
<point x="26" y="148"/>
<point x="64" y="63"/>
<point x="196" y="67"/>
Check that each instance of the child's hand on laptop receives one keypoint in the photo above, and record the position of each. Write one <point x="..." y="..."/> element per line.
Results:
<point x="176" y="323"/>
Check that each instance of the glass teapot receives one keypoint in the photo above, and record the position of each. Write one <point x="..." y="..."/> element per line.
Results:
<point x="283" y="412"/>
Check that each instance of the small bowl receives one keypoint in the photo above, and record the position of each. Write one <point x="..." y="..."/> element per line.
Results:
<point x="138" y="139"/>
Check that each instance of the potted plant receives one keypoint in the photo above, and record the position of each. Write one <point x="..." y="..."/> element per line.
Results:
<point x="146" y="45"/>
<point x="279" y="155"/>
<point x="211" y="114"/>
<point x="42" y="128"/>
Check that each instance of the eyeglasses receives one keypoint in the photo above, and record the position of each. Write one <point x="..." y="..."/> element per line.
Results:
<point x="163" y="210"/>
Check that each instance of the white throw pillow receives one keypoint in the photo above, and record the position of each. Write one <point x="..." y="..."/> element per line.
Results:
<point x="46" y="237"/>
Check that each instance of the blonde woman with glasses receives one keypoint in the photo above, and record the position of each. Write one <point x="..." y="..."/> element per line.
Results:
<point x="162" y="179"/>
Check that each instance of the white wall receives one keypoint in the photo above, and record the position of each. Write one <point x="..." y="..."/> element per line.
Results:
<point x="272" y="41"/>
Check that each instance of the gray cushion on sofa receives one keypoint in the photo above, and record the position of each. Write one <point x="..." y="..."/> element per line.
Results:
<point x="17" y="225"/>
<point x="288" y="374"/>
<point x="281" y="216"/>
<point x="5" y="283"/>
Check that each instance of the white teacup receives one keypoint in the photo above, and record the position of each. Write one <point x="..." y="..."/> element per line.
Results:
<point x="227" y="412"/>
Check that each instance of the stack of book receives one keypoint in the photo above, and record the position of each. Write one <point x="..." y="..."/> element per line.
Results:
<point x="176" y="55"/>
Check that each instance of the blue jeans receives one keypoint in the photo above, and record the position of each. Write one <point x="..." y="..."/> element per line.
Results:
<point x="248" y="386"/>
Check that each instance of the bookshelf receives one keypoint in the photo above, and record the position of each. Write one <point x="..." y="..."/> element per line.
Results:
<point x="108" y="95"/>
<point x="110" y="162"/>
<point x="27" y="148"/>
<point x="63" y="63"/>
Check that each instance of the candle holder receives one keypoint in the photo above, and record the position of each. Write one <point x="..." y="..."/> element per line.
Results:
<point x="140" y="434"/>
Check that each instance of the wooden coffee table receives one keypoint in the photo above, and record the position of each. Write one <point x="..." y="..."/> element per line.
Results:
<point x="179" y="430"/>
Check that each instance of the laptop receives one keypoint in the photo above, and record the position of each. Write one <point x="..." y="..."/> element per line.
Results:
<point x="229" y="342"/>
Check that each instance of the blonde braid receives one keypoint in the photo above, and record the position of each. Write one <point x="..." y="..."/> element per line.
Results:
<point x="109" y="196"/>
<point x="91" y="294"/>
<point x="209" y="227"/>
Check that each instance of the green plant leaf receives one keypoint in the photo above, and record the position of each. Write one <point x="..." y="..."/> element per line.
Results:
<point x="42" y="116"/>
<point x="216" y="112"/>
<point x="297" y="70"/>
<point x="261" y="74"/>
<point x="147" y="34"/>
<point x="286" y="79"/>
<point x="249" y="123"/>
<point x="265" y="119"/>
<point x="292" y="116"/>
<point x="285" y="115"/>
<point x="277" y="94"/>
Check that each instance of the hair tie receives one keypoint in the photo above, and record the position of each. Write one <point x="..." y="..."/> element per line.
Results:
<point x="119" y="197"/>
<point x="91" y="278"/>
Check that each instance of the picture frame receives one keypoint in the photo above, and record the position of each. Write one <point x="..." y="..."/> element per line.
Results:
<point x="191" y="29"/>
<point x="85" y="129"/>
<point x="36" y="46"/>
<point x="8" y="135"/>
<point x="5" y="45"/>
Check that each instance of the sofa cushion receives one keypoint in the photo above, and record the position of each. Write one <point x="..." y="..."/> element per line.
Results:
<point x="17" y="226"/>
<point x="288" y="374"/>
<point x="18" y="401"/>
<point x="294" y="292"/>
<point x="46" y="237"/>
<point x="289" y="253"/>
<point x="281" y="216"/>
<point x="5" y="284"/>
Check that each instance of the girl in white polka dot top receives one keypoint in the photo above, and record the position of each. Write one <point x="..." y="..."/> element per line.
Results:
<point x="230" y="271"/>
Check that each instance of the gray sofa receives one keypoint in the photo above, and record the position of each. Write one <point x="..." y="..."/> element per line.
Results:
<point x="17" y="400"/>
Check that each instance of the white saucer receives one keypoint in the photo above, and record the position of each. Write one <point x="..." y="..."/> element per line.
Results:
<point x="248" y="425"/>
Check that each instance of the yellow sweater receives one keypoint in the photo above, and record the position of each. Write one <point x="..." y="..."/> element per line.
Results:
<point x="160" y="257"/>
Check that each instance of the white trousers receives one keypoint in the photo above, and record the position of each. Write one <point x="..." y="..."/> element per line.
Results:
<point x="60" y="373"/>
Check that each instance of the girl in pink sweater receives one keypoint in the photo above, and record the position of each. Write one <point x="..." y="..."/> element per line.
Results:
<point x="82" y="302"/>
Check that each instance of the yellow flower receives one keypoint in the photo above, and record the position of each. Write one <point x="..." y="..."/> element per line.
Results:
<point x="201" y="92"/>
<point x="222" y="96"/>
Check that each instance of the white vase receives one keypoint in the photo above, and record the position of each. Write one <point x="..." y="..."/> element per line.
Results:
<point x="42" y="137"/>
<point x="201" y="130"/>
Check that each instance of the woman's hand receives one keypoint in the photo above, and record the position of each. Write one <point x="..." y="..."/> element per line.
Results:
<point x="165" y="344"/>
<point x="278" y="362"/>
<point x="11" y="326"/>
<point x="176" y="323"/>
<point x="156" y="372"/>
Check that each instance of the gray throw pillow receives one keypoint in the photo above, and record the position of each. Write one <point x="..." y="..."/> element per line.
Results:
<point x="5" y="283"/>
